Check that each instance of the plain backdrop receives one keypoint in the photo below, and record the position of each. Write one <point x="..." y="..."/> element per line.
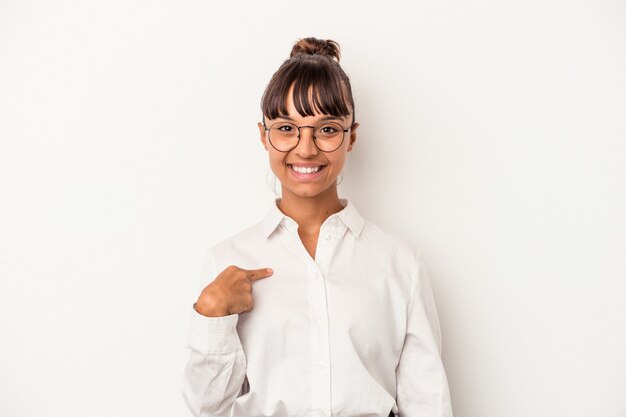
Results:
<point x="493" y="137"/>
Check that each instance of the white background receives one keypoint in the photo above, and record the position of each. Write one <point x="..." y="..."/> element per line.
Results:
<point x="493" y="137"/>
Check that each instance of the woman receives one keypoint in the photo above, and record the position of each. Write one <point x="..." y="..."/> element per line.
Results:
<point x="343" y="323"/>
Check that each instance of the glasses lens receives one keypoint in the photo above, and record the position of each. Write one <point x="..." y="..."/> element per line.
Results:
<point x="329" y="136"/>
<point x="283" y="136"/>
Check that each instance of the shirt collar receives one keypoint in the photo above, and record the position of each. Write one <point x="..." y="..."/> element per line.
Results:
<point x="349" y="215"/>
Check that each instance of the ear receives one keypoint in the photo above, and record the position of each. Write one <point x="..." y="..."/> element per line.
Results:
<point x="263" y="134"/>
<point x="352" y="135"/>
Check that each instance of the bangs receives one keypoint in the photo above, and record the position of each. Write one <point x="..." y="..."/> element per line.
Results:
<point x="318" y="87"/>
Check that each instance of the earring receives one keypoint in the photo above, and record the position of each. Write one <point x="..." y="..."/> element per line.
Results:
<point x="341" y="180"/>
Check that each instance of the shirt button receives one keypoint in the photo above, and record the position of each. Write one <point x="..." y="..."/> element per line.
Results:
<point x="329" y="237"/>
<point x="321" y="414"/>
<point x="317" y="275"/>
<point x="321" y="366"/>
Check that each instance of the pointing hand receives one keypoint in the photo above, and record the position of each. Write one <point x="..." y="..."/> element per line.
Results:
<point x="230" y="292"/>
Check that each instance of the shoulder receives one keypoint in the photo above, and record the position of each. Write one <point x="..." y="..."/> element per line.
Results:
<point x="407" y="258"/>
<point x="393" y="252"/>
<point x="389" y="242"/>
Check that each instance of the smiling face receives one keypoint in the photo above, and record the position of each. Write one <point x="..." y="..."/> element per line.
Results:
<point x="306" y="154"/>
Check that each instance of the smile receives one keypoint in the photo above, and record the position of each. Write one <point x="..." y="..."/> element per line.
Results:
<point x="306" y="170"/>
<point x="306" y="173"/>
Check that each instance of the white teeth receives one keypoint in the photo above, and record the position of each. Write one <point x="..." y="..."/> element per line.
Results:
<point x="305" y="170"/>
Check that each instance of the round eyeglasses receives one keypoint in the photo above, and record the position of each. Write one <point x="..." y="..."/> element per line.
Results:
<point x="285" y="136"/>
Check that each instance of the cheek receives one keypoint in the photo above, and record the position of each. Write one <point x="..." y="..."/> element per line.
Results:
<point x="337" y="161"/>
<point x="277" y="160"/>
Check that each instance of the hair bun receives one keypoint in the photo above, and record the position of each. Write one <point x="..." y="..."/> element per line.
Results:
<point x="314" y="46"/>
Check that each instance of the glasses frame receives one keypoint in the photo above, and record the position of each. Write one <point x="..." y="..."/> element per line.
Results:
<point x="343" y="135"/>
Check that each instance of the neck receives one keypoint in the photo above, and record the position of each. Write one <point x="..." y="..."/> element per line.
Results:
<point x="310" y="212"/>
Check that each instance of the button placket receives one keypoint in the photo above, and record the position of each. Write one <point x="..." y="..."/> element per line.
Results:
<point x="320" y="344"/>
<point x="318" y="310"/>
<point x="320" y="359"/>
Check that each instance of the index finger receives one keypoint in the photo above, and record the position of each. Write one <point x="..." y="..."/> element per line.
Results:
<point x="256" y="274"/>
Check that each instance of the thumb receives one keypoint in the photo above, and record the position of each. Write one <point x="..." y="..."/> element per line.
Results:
<point x="256" y="274"/>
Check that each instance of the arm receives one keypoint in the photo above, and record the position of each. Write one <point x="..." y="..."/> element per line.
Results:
<point x="216" y="368"/>
<point x="422" y="385"/>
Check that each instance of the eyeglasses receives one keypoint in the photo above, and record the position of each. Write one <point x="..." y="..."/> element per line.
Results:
<point x="285" y="136"/>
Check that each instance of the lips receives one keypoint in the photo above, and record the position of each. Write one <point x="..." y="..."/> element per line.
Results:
<point x="307" y="175"/>
<point x="306" y="169"/>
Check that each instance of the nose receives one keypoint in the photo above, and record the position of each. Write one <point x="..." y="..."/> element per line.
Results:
<point x="306" y="144"/>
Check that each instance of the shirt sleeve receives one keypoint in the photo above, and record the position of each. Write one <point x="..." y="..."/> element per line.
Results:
<point x="422" y="385"/>
<point x="216" y="368"/>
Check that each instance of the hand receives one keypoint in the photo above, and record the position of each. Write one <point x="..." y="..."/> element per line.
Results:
<point x="230" y="292"/>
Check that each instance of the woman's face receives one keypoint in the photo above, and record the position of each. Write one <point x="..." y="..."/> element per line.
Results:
<point x="306" y="153"/>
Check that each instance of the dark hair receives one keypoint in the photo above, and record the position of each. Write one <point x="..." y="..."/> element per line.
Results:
<point x="319" y="82"/>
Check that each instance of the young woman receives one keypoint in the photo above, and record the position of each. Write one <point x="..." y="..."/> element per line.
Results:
<point x="343" y="323"/>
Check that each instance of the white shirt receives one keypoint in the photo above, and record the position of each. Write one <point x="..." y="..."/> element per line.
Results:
<point x="353" y="332"/>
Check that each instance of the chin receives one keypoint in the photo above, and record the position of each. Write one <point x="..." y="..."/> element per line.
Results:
<point x="306" y="190"/>
<point x="310" y="192"/>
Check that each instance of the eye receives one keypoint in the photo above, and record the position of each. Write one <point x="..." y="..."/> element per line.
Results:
<point x="328" y="129"/>
<point x="285" y="128"/>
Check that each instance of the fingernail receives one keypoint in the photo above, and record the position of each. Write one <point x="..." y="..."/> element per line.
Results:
<point x="269" y="270"/>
